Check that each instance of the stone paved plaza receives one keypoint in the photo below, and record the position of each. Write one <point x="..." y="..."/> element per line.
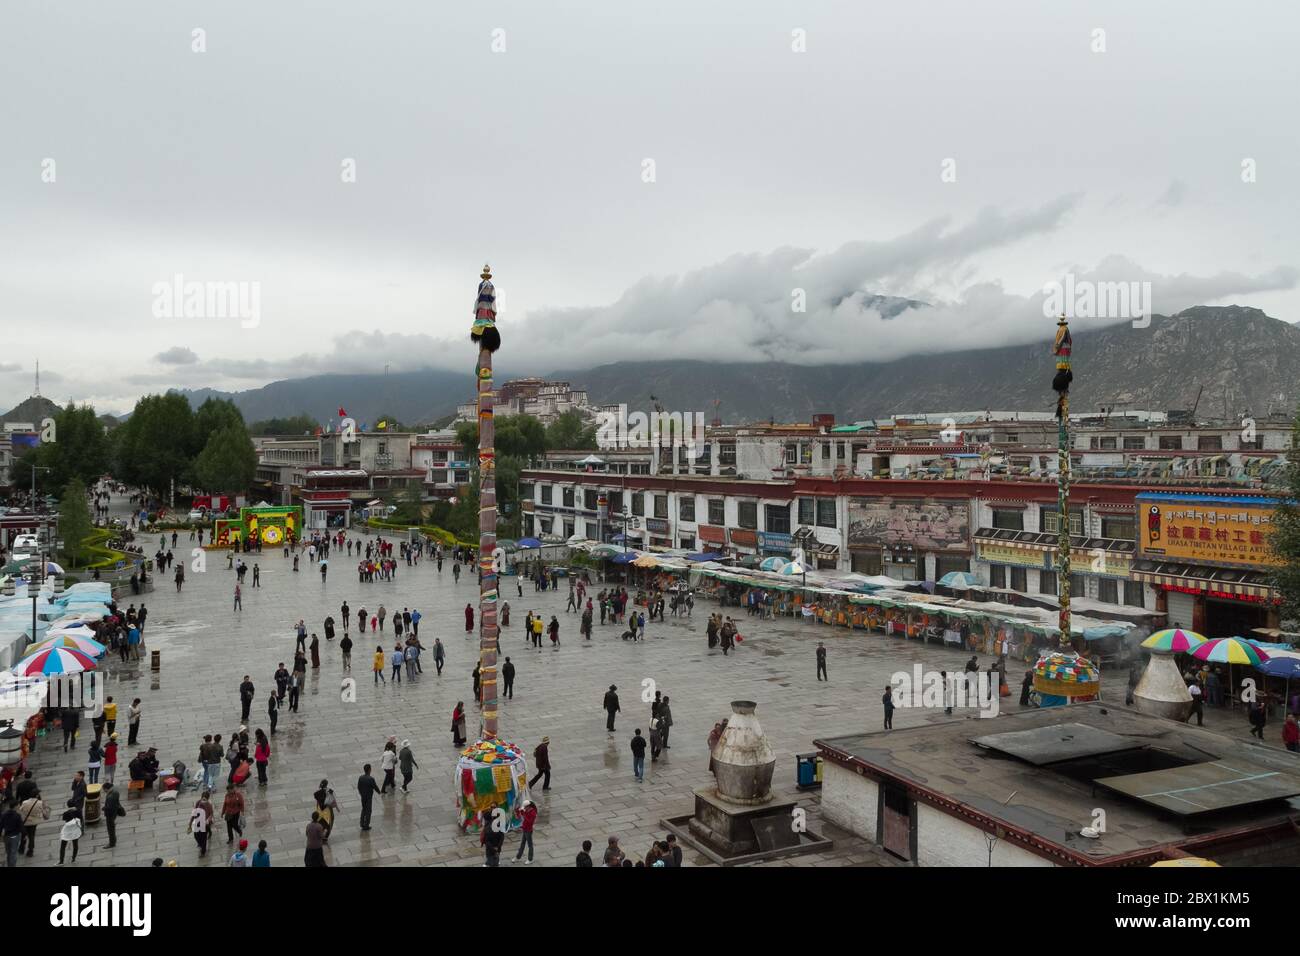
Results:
<point x="207" y="647"/>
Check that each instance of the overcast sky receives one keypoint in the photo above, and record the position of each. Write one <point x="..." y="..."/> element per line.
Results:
<point x="773" y="170"/>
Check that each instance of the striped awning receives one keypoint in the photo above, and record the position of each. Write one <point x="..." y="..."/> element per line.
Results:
<point x="1227" y="580"/>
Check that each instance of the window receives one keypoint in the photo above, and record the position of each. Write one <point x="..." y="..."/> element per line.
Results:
<point x="791" y="454"/>
<point x="1108" y="590"/>
<point x="1171" y="442"/>
<point x="1134" y="442"/>
<point x="997" y="575"/>
<point x="1133" y="593"/>
<point x="826" y="512"/>
<point x="1050" y="520"/>
<point x="839" y="450"/>
<point x="661" y="506"/>
<point x="727" y="454"/>
<point x="1017" y="576"/>
<point x="1255" y="444"/>
<point x="1009" y="519"/>
<point x="1078" y="585"/>
<point x="1209" y="443"/>
<point x="566" y="497"/>
<point x="547" y="491"/>
<point x="688" y="542"/>
<point x="826" y="451"/>
<point x="1013" y="438"/>
<point x="686" y="508"/>
<point x="807" y="512"/>
<point x="525" y="491"/>
<point x="776" y="519"/>
<point x="638" y="503"/>
<point x="1046" y="582"/>
<point x="589" y="499"/>
<point x="747" y="514"/>
<point x="1122" y="527"/>
<point x="616" y="502"/>
<point x="717" y="511"/>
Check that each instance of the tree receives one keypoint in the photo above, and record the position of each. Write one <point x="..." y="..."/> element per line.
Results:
<point x="520" y="435"/>
<point x="228" y="462"/>
<point x="78" y="450"/>
<point x="467" y="435"/>
<point x="1285" y="537"/>
<point x="462" y="520"/>
<point x="410" y="504"/>
<point x="212" y="416"/>
<point x="509" y="519"/>
<point x="74" y="519"/>
<point x="300" y="424"/>
<point x="570" y="431"/>
<point x="155" y="443"/>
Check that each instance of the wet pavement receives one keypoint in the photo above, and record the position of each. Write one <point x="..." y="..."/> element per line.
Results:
<point x="206" y="648"/>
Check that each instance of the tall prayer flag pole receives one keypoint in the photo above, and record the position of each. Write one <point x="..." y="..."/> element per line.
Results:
<point x="484" y="334"/>
<point x="1061" y="675"/>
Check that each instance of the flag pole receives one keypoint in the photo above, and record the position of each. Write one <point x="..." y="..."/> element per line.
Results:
<point x="485" y="335"/>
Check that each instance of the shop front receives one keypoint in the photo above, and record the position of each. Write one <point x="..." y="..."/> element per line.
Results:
<point x="744" y="542"/>
<point x="771" y="543"/>
<point x="1209" y="558"/>
<point x="712" y="538"/>
<point x="898" y="537"/>
<point x="659" y="534"/>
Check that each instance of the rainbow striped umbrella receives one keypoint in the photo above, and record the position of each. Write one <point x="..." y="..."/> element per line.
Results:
<point x="87" y="645"/>
<point x="1173" y="640"/>
<point x="1229" y="650"/>
<point x="54" y="660"/>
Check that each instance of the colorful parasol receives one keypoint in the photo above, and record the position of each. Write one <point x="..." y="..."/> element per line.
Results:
<point x="1229" y="650"/>
<point x="54" y="660"/>
<point x="774" y="563"/>
<point x="1173" y="640"/>
<point x="645" y="561"/>
<point x="87" y="645"/>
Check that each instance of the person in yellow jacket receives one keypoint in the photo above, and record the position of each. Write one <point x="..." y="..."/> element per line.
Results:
<point x="110" y="716"/>
<point x="379" y="666"/>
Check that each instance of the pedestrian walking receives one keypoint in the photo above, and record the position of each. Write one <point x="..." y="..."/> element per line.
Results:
<point x="491" y="837"/>
<point x="1291" y="734"/>
<point x="439" y="655"/>
<point x="388" y="764"/>
<point x="542" y="761"/>
<point x="406" y="762"/>
<point x="314" y="855"/>
<point x="239" y="597"/>
<point x="458" y="724"/>
<point x="232" y="811"/>
<point x="611" y="707"/>
<point x="469" y="618"/>
<point x="345" y="646"/>
<point x="261" y="857"/>
<point x="1194" y="689"/>
<point x="201" y="821"/>
<point x="378" y="665"/>
<point x="887" y="701"/>
<point x="397" y="658"/>
<point x="94" y="760"/>
<point x="638" y="755"/>
<point x="110" y="759"/>
<point x="367" y="788"/>
<point x="821" y="662"/>
<point x="70" y="834"/>
<point x="315" y="652"/>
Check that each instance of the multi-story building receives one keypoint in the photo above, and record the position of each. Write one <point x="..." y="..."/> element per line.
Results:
<point x="443" y="461"/>
<point x="537" y="397"/>
<point x="891" y="498"/>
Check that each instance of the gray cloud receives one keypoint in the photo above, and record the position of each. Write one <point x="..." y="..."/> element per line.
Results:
<point x="177" y="355"/>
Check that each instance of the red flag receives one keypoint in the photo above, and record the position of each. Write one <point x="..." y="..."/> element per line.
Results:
<point x="342" y="413"/>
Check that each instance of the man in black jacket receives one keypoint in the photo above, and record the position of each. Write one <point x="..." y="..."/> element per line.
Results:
<point x="367" y="788"/>
<point x="665" y="720"/>
<point x="638" y="755"/>
<point x="508" y="675"/>
<point x="611" y="707"/>
<point x="246" y="692"/>
<point x="112" y="810"/>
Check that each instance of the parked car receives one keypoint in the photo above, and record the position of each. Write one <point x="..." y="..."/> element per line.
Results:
<point x="198" y="514"/>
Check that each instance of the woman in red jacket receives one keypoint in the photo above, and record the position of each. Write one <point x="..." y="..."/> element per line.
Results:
<point x="110" y="758"/>
<point x="261" y="755"/>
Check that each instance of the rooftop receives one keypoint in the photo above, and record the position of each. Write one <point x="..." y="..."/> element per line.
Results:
<point x="1045" y="806"/>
